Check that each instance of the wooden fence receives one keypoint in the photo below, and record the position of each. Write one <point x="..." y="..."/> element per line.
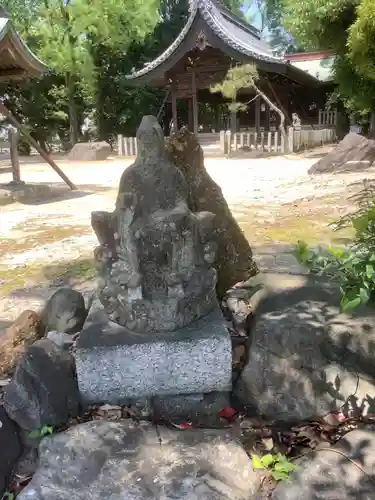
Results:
<point x="274" y="142"/>
<point x="126" y="146"/>
<point x="310" y="138"/>
<point x="264" y="142"/>
<point x="269" y="142"/>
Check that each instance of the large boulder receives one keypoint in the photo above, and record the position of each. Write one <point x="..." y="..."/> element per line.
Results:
<point x="10" y="449"/>
<point x="345" y="471"/>
<point x="234" y="262"/>
<point x="64" y="311"/>
<point x="306" y="358"/>
<point x="119" y="460"/>
<point x="26" y="329"/>
<point x="354" y="152"/>
<point x="44" y="389"/>
<point x="90" y="151"/>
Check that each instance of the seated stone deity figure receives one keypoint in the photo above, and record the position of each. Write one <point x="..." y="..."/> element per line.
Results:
<point x="155" y="256"/>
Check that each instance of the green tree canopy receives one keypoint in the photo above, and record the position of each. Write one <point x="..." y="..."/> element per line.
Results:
<point x="346" y="27"/>
<point x="90" y="46"/>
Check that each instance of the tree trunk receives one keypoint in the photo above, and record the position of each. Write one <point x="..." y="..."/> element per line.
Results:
<point x="371" y="132"/>
<point x="343" y="123"/>
<point x="73" y="116"/>
<point x="275" y="108"/>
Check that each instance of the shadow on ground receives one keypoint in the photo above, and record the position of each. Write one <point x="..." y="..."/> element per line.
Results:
<point x="5" y="170"/>
<point x="4" y="324"/>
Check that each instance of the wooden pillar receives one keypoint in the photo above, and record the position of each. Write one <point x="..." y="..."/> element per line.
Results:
<point x="5" y="111"/>
<point x="217" y="118"/>
<point x="195" y="102"/>
<point x="267" y="124"/>
<point x="257" y="114"/>
<point x="174" y="106"/>
<point x="13" y="146"/>
<point x="233" y="122"/>
<point x="190" y="114"/>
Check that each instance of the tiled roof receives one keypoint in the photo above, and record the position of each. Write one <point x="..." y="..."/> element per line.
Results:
<point x="21" y="56"/>
<point x="234" y="33"/>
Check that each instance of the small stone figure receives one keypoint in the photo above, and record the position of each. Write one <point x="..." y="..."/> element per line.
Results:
<point x="155" y="255"/>
<point x="296" y="120"/>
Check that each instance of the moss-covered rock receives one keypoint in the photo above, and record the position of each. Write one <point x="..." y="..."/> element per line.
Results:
<point x="234" y="261"/>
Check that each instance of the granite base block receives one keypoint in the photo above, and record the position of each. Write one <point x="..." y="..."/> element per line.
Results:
<point x="197" y="408"/>
<point x="114" y="364"/>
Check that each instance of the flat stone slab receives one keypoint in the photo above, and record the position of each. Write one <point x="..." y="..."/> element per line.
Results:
<point x="114" y="364"/>
<point x="345" y="471"/>
<point x="126" y="460"/>
<point x="28" y="192"/>
<point x="90" y="151"/>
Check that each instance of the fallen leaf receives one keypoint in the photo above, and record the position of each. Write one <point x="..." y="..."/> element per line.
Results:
<point x="187" y="425"/>
<point x="228" y="414"/>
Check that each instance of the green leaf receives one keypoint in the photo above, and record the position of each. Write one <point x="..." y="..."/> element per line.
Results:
<point x="301" y="252"/>
<point x="337" y="253"/>
<point x="349" y="305"/>
<point x="284" y="466"/>
<point x="279" y="476"/>
<point x="370" y="270"/>
<point x="364" y="296"/>
<point x="256" y="462"/>
<point x="268" y="460"/>
<point x="360" y="223"/>
<point x="371" y="214"/>
<point x="34" y="434"/>
<point x="8" y="496"/>
<point x="47" y="429"/>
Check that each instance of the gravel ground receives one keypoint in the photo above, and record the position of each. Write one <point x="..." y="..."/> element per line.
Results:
<point x="60" y="231"/>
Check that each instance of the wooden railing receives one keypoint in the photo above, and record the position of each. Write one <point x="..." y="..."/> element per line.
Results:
<point x="310" y="138"/>
<point x="228" y="142"/>
<point x="327" y="118"/>
<point x="269" y="142"/>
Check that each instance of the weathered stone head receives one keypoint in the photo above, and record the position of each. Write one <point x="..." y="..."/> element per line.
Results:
<point x="155" y="255"/>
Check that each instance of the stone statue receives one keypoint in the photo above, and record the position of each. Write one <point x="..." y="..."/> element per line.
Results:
<point x="155" y="256"/>
<point x="296" y="120"/>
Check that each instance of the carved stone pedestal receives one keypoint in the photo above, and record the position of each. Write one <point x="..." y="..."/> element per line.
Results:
<point x="115" y="365"/>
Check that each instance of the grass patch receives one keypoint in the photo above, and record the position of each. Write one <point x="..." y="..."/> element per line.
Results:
<point x="33" y="224"/>
<point x="313" y="229"/>
<point x="83" y="269"/>
<point x="65" y="273"/>
<point x="42" y="235"/>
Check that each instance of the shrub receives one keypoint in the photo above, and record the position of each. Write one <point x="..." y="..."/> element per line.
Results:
<point x="352" y="267"/>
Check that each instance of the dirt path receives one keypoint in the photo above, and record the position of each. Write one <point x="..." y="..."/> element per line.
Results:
<point x="44" y="246"/>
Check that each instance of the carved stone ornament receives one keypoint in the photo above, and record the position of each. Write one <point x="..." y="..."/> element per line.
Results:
<point x="201" y="42"/>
